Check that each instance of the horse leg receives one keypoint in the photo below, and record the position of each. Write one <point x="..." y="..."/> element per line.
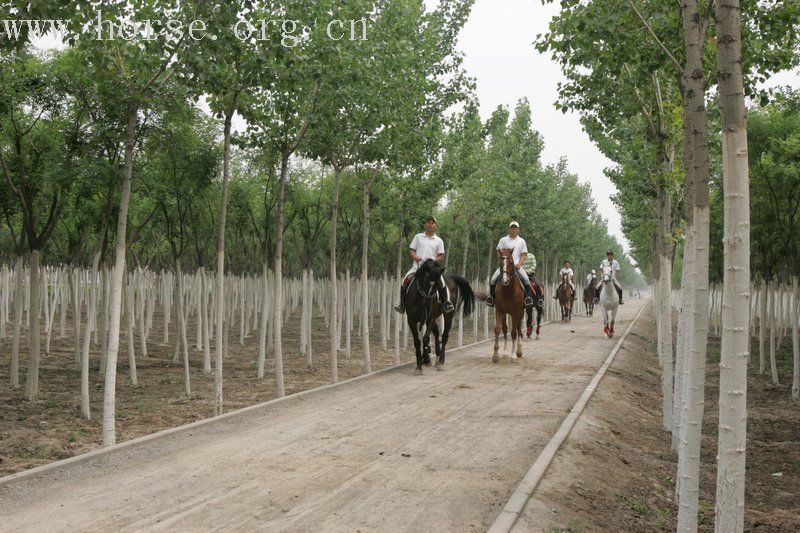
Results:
<point x="497" y="329"/>
<point x="538" y="322"/>
<point x="448" y="323"/>
<point x="505" y="334"/>
<point x="426" y="343"/>
<point x="518" y="334"/>
<point x="417" y="348"/>
<point x="529" y="322"/>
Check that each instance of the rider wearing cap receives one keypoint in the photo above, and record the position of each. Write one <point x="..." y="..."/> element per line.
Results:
<point x="591" y="278"/>
<point x="519" y="253"/>
<point x="426" y="245"/>
<point x="609" y="261"/>
<point x="570" y="279"/>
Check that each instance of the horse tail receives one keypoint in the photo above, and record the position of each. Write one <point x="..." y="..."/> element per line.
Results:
<point x="467" y="296"/>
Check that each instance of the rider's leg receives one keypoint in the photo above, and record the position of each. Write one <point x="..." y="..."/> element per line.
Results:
<point x="401" y="307"/>
<point x="444" y="296"/>
<point x="526" y="286"/>
<point x="492" y="286"/>
<point x="555" y="293"/>
<point x="574" y="292"/>
<point x="619" y="290"/>
<point x="538" y="289"/>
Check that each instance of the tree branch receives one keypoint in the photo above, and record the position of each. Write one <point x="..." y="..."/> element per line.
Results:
<point x="658" y="41"/>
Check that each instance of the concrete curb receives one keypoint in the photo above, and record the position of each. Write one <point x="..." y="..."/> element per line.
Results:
<point x="511" y="512"/>
<point x="88" y="456"/>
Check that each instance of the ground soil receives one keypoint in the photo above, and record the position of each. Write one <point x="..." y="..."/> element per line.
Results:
<point x="394" y="452"/>
<point x="32" y="434"/>
<point x="617" y="473"/>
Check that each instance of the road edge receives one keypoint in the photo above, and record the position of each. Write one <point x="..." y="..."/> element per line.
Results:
<point x="513" y="508"/>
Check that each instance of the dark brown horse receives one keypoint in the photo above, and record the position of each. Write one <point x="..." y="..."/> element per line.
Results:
<point x="509" y="300"/>
<point x="565" y="297"/>
<point x="538" y="307"/>
<point x="589" y="298"/>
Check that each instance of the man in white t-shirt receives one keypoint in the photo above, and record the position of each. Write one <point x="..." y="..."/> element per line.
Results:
<point x="591" y="279"/>
<point x="519" y="253"/>
<point x="570" y="279"/>
<point x="424" y="246"/>
<point x="609" y="261"/>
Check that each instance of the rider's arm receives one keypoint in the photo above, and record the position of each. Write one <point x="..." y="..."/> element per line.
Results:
<point x="440" y="257"/>
<point x="413" y="253"/>
<point x="522" y="257"/>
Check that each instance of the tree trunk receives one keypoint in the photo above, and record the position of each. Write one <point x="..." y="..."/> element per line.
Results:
<point x="109" y="392"/>
<point x="365" y="281"/>
<point x="665" y="304"/>
<point x="773" y="365"/>
<point x="795" y="341"/>
<point x="19" y="298"/>
<point x="32" y="382"/>
<point x="736" y="282"/>
<point x="279" y="382"/>
<point x="181" y="334"/>
<point x="334" y="281"/>
<point x="220" y="272"/>
<point x="696" y="166"/>
<point x="85" y="408"/>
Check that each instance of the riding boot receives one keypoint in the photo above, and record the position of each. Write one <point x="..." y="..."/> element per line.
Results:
<point x="619" y="291"/>
<point x="447" y="306"/>
<point x="490" y="299"/>
<point x="401" y="307"/>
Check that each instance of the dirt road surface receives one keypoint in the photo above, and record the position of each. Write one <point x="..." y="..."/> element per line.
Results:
<point x="394" y="452"/>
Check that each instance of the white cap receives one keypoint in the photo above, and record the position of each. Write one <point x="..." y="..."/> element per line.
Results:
<point x="593" y="272"/>
<point x="513" y="223"/>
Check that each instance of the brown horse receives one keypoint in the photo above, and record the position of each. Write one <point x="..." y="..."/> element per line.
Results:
<point x="509" y="300"/>
<point x="565" y="297"/>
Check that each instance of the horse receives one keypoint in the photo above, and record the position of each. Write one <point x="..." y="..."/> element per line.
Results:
<point x="538" y="305"/>
<point x="424" y="311"/>
<point x="566" y="295"/>
<point x="509" y="300"/>
<point x="589" y="298"/>
<point x="608" y="302"/>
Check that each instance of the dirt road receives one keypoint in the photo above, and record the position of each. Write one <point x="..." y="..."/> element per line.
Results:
<point x="394" y="452"/>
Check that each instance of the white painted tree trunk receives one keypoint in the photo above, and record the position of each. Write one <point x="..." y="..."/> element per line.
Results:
<point x="773" y="365"/>
<point x="85" y="407"/>
<point x="19" y="284"/>
<point x="262" y="336"/>
<point x="365" y="283"/>
<point x="795" y="316"/>
<point x="32" y="381"/>
<point x="77" y="294"/>
<point x="735" y="346"/>
<point x="348" y="315"/>
<point x="665" y="307"/>
<point x="334" y="281"/>
<point x="181" y="335"/>
<point x="109" y="393"/>
<point x="278" y="336"/>
<point x="130" y="313"/>
<point x="762" y="324"/>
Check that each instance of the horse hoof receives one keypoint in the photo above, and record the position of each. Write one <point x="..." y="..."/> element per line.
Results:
<point x="439" y="367"/>
<point x="537" y="337"/>
<point x="418" y="372"/>
<point x="495" y="359"/>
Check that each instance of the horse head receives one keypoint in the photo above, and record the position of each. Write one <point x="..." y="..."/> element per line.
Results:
<point x="428" y="276"/>
<point x="607" y="275"/>
<point x="506" y="264"/>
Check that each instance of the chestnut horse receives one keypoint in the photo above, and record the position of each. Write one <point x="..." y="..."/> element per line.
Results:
<point x="565" y="297"/>
<point x="509" y="300"/>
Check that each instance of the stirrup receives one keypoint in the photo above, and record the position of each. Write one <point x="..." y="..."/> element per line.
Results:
<point x="528" y="302"/>
<point x="400" y="308"/>
<point x="540" y="303"/>
<point x="448" y="307"/>
<point x="489" y="301"/>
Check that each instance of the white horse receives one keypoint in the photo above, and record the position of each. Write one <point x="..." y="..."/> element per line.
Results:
<point x="609" y="302"/>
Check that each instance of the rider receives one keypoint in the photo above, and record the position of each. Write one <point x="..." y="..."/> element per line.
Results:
<point x="529" y="264"/>
<point x="570" y="278"/>
<point x="609" y="261"/>
<point x="519" y="252"/>
<point x="591" y="279"/>
<point x="424" y="246"/>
